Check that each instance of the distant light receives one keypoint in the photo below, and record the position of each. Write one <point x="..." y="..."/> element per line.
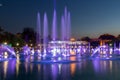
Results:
<point x="5" y="43"/>
<point x="110" y="44"/>
<point x="72" y="39"/>
<point x="17" y="44"/>
<point x="31" y="44"/>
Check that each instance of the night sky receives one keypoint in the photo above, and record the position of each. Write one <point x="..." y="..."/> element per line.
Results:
<point x="88" y="17"/>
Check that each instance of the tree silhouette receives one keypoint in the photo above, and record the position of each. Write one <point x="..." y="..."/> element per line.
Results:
<point x="86" y="39"/>
<point x="107" y="37"/>
<point x="28" y="35"/>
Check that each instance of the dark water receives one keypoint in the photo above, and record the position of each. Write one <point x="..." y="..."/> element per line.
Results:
<point x="82" y="70"/>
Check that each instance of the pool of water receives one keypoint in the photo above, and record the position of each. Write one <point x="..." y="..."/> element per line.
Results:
<point x="84" y="69"/>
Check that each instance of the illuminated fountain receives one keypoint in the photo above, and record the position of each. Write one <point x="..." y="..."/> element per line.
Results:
<point x="26" y="50"/>
<point x="6" y="52"/>
<point x="106" y="52"/>
<point x="65" y="33"/>
<point x="63" y="47"/>
<point x="54" y="26"/>
<point x="45" y="35"/>
<point x="55" y="49"/>
<point x="38" y="35"/>
<point x="69" y="48"/>
<point x="65" y="26"/>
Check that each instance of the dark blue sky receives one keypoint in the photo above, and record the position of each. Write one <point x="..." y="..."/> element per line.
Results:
<point x="88" y="17"/>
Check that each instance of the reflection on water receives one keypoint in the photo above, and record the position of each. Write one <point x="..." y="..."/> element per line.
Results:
<point x="54" y="69"/>
<point x="83" y="70"/>
<point x="103" y="66"/>
<point x="38" y="67"/>
<point x="110" y="62"/>
<point x="5" y="65"/>
<point x="17" y="67"/>
<point x="26" y="67"/>
<point x="72" y="65"/>
<point x="59" y="67"/>
<point x="72" y="68"/>
<point x="31" y="67"/>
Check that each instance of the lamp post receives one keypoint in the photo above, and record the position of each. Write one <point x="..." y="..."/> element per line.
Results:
<point x="5" y="43"/>
<point x="17" y="44"/>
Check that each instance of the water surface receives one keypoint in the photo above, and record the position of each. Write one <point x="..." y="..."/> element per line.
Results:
<point x="85" y="69"/>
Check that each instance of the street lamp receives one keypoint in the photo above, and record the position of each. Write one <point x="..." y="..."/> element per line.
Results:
<point x="5" y="43"/>
<point x="17" y="44"/>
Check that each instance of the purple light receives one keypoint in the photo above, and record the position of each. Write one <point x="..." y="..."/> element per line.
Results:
<point x="38" y="36"/>
<point x="54" y="33"/>
<point x="7" y="48"/>
<point x="65" y="24"/>
<point x="45" y="32"/>
<point x="62" y="28"/>
<point x="26" y="50"/>
<point x="69" y="26"/>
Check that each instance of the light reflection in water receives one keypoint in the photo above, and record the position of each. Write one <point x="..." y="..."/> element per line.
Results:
<point x="12" y="66"/>
<point x="111" y="66"/>
<point x="26" y="67"/>
<point x="5" y="66"/>
<point x="99" y="66"/>
<point x="73" y="65"/>
<point x="59" y="67"/>
<point x="17" y="64"/>
<point x="31" y="58"/>
<point x="72" y="68"/>
<point x="17" y="67"/>
<point x="31" y="67"/>
<point x="61" y="71"/>
<point x="54" y="71"/>
<point x="103" y="66"/>
<point x="39" y="67"/>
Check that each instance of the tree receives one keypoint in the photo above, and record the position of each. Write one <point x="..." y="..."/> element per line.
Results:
<point x="107" y="37"/>
<point x="29" y="35"/>
<point x="86" y="39"/>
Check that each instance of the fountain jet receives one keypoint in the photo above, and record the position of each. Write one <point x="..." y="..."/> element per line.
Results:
<point x="38" y="36"/>
<point x="45" y="32"/>
<point x="54" y="25"/>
